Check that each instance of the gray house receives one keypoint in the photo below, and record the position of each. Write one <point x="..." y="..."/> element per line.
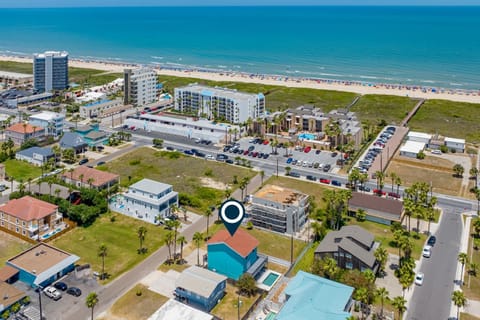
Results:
<point x="352" y="247"/>
<point x="35" y="155"/>
<point x="72" y="140"/>
<point x="378" y="209"/>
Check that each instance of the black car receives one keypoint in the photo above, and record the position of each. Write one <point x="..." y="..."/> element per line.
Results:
<point x="311" y="178"/>
<point x="74" y="291"/>
<point x="83" y="161"/>
<point x="294" y="174"/>
<point x="101" y="163"/>
<point x="336" y="183"/>
<point x="60" y="286"/>
<point x="170" y="148"/>
<point x="230" y="161"/>
<point x="334" y="154"/>
<point x="318" y="151"/>
<point x="251" y="148"/>
<point x="265" y="156"/>
<point x="431" y="241"/>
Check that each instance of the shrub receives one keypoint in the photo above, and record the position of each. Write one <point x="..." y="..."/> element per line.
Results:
<point x="208" y="172"/>
<point x="421" y="155"/>
<point x="444" y="149"/>
<point x="134" y="162"/>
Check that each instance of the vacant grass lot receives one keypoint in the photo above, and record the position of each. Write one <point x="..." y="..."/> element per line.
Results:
<point x="185" y="173"/>
<point x="305" y="264"/>
<point x="21" y="170"/>
<point x="227" y="309"/>
<point x="121" y="240"/>
<point x="10" y="246"/>
<point x="472" y="292"/>
<point x="449" y="118"/>
<point x="271" y="243"/>
<point x="133" y="307"/>
<point x="466" y="316"/>
<point x="277" y="97"/>
<point x="431" y="169"/>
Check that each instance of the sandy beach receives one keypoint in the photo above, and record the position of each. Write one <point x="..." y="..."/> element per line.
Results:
<point x="336" y="85"/>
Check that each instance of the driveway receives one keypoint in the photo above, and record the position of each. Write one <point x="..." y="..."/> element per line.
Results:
<point x="162" y="282"/>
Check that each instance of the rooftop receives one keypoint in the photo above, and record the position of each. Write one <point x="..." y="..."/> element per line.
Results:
<point x="280" y="194"/>
<point x="95" y="103"/>
<point x="241" y="242"/>
<point x="47" y="116"/>
<point x="39" y="258"/>
<point x="71" y="140"/>
<point x="387" y="208"/>
<point x="316" y="298"/>
<point x="419" y="135"/>
<point x="150" y="186"/>
<point x="454" y="140"/>
<point x="176" y="310"/>
<point x="46" y="152"/>
<point x="412" y="146"/>
<point x="219" y="92"/>
<point x="6" y="272"/>
<point x="99" y="177"/>
<point x="56" y="54"/>
<point x="9" y="295"/>
<point x="95" y="135"/>
<point x="28" y="208"/>
<point x="199" y="280"/>
<point x="23" y="128"/>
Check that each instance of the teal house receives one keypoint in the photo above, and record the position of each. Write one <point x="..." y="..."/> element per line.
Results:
<point x="235" y="255"/>
<point x="310" y="297"/>
<point x="92" y="135"/>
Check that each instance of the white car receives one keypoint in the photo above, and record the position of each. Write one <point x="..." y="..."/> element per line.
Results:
<point x="419" y="278"/>
<point x="209" y="157"/>
<point x="436" y="152"/>
<point x="427" y="252"/>
<point x="52" y="293"/>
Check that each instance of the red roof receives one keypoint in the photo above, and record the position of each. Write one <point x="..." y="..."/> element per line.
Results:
<point x="23" y="128"/>
<point x="28" y="208"/>
<point x="241" y="242"/>
<point x="99" y="177"/>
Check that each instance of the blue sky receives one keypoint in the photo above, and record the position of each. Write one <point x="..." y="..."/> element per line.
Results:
<point x="87" y="3"/>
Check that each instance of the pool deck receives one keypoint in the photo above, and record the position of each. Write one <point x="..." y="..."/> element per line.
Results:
<point x="262" y="278"/>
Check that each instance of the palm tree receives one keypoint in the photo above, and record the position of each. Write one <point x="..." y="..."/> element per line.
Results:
<point x="29" y="184"/>
<point x="400" y="304"/>
<point x="102" y="252"/>
<point x="380" y="176"/>
<point x="81" y="176"/>
<point x="262" y="175"/>
<point x="141" y="233"/>
<point x="208" y="214"/>
<point x="287" y="170"/>
<point x="463" y="259"/>
<point x="381" y="255"/>
<point x="330" y="268"/>
<point x="198" y="238"/>
<point x="181" y="240"/>
<point x="474" y="173"/>
<point x="398" y="182"/>
<point x="459" y="300"/>
<point x="90" y="181"/>
<point x="361" y="295"/>
<point x="168" y="238"/>
<point x="91" y="301"/>
<point x="382" y="293"/>
<point x="175" y="224"/>
<point x="458" y="170"/>
<point x="393" y="176"/>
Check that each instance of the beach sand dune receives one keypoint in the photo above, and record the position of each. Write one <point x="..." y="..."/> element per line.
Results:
<point x="347" y="86"/>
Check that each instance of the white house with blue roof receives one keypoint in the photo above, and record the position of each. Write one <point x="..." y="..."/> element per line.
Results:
<point x="215" y="102"/>
<point x="147" y="200"/>
<point x="35" y="155"/>
<point x="310" y="297"/>
<point x="52" y="122"/>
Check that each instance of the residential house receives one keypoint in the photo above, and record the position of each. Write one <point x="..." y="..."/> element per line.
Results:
<point x="20" y="132"/>
<point x="52" y="122"/>
<point x="35" y="155"/>
<point x="173" y="309"/>
<point x="378" y="209"/>
<point x="72" y="140"/>
<point x="92" y="135"/>
<point x="310" y="297"/>
<point x="8" y="274"/>
<point x="147" y="200"/>
<point x="235" y="255"/>
<point x="458" y="145"/>
<point x="42" y="264"/>
<point x="9" y="296"/>
<point x="200" y="288"/>
<point x="279" y="209"/>
<point x="86" y="177"/>
<point x="30" y="217"/>
<point x="103" y="108"/>
<point x="352" y="247"/>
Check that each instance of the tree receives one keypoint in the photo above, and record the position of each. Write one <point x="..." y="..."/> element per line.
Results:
<point x="459" y="300"/>
<point x="330" y="268"/>
<point x="198" y="238"/>
<point x="476" y="227"/>
<point x="262" y="175"/>
<point x="382" y="293"/>
<point x="175" y="224"/>
<point x="168" y="238"/>
<point x="208" y="214"/>
<point x="181" y="240"/>
<point x="287" y="170"/>
<point x="380" y="176"/>
<point x="393" y="176"/>
<point x="318" y="230"/>
<point x="90" y="181"/>
<point x="157" y="143"/>
<point x="361" y="215"/>
<point x="458" y="170"/>
<point x="91" y="301"/>
<point x="463" y="259"/>
<point x="381" y="255"/>
<point x="102" y="252"/>
<point x="141" y="233"/>
<point x="400" y="304"/>
<point x="247" y="285"/>
<point x="474" y="174"/>
<point x="361" y="295"/>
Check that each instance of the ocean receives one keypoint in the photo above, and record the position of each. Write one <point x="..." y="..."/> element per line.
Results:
<point x="426" y="46"/>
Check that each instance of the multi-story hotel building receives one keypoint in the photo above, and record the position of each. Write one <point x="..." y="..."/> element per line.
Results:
<point x="50" y="71"/>
<point x="219" y="103"/>
<point x="140" y="86"/>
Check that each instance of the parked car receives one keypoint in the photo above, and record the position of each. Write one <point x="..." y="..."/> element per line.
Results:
<point x="431" y="241"/>
<point x="336" y="183"/>
<point x="101" y="163"/>
<point x="419" y="278"/>
<point x="83" y="161"/>
<point x="436" y="152"/>
<point x="294" y="174"/>
<point x="364" y="188"/>
<point x="326" y="167"/>
<point x="170" y="148"/>
<point x="311" y="178"/>
<point x="307" y="149"/>
<point x="379" y="192"/>
<point x="52" y="293"/>
<point x="326" y="181"/>
<point x="230" y="161"/>
<point x="334" y="154"/>
<point x="209" y="157"/>
<point x="74" y="291"/>
<point x="394" y="195"/>
<point x="265" y="156"/>
<point x="265" y="142"/>
<point x="251" y="148"/>
<point x="60" y="286"/>
<point x="289" y="160"/>
<point x="318" y="151"/>
<point x="427" y="252"/>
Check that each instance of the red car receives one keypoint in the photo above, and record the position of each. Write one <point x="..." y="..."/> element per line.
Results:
<point x="307" y="149"/>
<point x="394" y="195"/>
<point x="379" y="192"/>
<point x="245" y="152"/>
<point x="255" y="154"/>
<point x="326" y="181"/>
<point x="265" y="142"/>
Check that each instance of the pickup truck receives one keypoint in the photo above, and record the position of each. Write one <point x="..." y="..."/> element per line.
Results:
<point x="52" y="293"/>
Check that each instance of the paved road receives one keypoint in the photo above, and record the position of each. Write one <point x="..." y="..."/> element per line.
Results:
<point x="433" y="299"/>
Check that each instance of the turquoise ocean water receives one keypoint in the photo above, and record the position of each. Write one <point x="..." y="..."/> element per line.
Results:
<point x="427" y="46"/>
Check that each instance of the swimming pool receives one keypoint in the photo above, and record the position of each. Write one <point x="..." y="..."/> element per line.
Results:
<point x="270" y="279"/>
<point x="306" y="136"/>
<point x="48" y="235"/>
<point x="271" y="316"/>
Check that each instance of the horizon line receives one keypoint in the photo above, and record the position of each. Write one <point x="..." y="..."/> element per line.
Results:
<point x="240" y="5"/>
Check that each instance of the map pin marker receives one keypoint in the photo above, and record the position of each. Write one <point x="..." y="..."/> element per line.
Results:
<point x="232" y="213"/>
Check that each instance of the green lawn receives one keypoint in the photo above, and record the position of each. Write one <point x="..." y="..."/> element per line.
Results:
<point x="392" y="109"/>
<point x="21" y="170"/>
<point x="203" y="180"/>
<point x="305" y="264"/>
<point x="121" y="240"/>
<point x="449" y="118"/>
<point x="227" y="308"/>
<point x="270" y="243"/>
<point x="132" y="306"/>
<point x="472" y="291"/>
<point x="383" y="235"/>
<point x="277" y="97"/>
<point x="10" y="246"/>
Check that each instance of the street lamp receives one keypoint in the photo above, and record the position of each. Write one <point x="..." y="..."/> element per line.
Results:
<point x="239" y="303"/>
<point x="39" y="290"/>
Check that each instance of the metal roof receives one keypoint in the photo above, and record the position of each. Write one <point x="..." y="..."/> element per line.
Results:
<point x="199" y="281"/>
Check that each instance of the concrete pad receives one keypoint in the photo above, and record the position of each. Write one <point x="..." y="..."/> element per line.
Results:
<point x="192" y="257"/>
<point x="389" y="281"/>
<point x="162" y="283"/>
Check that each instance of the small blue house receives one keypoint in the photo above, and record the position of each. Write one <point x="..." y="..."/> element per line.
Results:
<point x="310" y="297"/>
<point x="200" y="288"/>
<point x="235" y="255"/>
<point x="92" y="135"/>
<point x="73" y="140"/>
<point x="42" y="265"/>
<point x="35" y="155"/>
